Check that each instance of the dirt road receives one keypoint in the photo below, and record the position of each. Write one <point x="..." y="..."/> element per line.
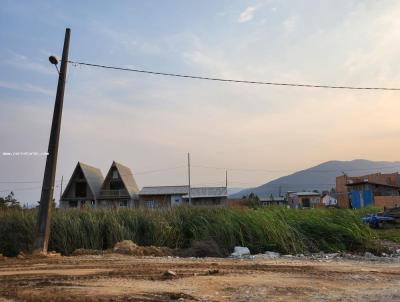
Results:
<point x="126" y="278"/>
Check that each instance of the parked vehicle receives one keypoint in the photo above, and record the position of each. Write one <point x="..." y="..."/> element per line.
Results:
<point x="388" y="219"/>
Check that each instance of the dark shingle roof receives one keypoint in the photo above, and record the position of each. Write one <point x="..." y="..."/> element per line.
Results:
<point x="93" y="176"/>
<point x="127" y="178"/>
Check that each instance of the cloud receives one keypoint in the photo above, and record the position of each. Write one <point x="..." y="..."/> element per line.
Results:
<point x="22" y="62"/>
<point x="289" y="24"/>
<point x="26" y="88"/>
<point x="248" y="14"/>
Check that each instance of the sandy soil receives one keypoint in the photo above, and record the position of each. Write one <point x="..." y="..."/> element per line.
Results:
<point x="115" y="277"/>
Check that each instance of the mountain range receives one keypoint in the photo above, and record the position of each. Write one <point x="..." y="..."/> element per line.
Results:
<point x="321" y="177"/>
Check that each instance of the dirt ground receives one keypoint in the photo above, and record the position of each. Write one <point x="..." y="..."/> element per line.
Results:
<point x="114" y="277"/>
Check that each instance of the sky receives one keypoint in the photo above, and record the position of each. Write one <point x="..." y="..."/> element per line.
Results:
<point x="149" y="123"/>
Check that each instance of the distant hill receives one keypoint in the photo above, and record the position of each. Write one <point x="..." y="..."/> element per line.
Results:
<point x="232" y="191"/>
<point x="321" y="177"/>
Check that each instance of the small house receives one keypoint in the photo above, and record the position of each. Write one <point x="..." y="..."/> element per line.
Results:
<point x="169" y="196"/>
<point x="304" y="200"/>
<point x="162" y="196"/>
<point x="207" y="196"/>
<point x="366" y="193"/>
<point x="119" y="188"/>
<point x="328" y="201"/>
<point x="83" y="188"/>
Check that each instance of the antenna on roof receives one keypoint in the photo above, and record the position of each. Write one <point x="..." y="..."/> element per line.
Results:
<point x="190" y="191"/>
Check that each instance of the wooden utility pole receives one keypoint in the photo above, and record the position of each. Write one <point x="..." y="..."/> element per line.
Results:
<point x="45" y="206"/>
<point x="226" y="179"/>
<point x="190" y="190"/>
<point x="61" y="184"/>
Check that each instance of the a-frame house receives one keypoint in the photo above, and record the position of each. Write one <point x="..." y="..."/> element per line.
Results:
<point x="83" y="188"/>
<point x="119" y="189"/>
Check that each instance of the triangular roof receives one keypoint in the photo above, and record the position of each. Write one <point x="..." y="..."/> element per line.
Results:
<point x="126" y="176"/>
<point x="92" y="175"/>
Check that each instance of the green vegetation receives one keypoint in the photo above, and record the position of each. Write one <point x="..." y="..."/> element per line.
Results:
<point x="388" y="234"/>
<point x="273" y="228"/>
<point x="9" y="202"/>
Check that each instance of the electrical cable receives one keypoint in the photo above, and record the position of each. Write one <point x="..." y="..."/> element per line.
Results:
<point x="230" y="80"/>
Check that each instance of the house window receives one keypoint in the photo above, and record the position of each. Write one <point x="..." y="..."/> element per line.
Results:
<point x="150" y="204"/>
<point x="115" y="174"/>
<point x="123" y="204"/>
<point x="72" y="204"/>
<point x="116" y="185"/>
<point x="306" y="202"/>
<point x="80" y="189"/>
<point x="93" y="203"/>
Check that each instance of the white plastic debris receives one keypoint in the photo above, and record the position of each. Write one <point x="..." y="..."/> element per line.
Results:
<point x="269" y="254"/>
<point x="240" y="251"/>
<point x="369" y="255"/>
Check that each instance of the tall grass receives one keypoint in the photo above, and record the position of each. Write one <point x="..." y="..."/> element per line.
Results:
<point x="273" y="228"/>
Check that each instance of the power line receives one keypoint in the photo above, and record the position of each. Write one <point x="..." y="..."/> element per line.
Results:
<point x="158" y="170"/>
<point x="21" y="189"/>
<point x="300" y="171"/>
<point x="225" y="168"/>
<point x="230" y="80"/>
<point x="122" y="174"/>
<point x="21" y="182"/>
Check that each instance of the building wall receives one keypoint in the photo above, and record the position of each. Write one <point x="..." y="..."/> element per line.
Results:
<point x="156" y="201"/>
<point x="163" y="201"/>
<point x="295" y="201"/>
<point x="236" y="203"/>
<point x="77" y="203"/>
<point x="386" y="201"/>
<point x="71" y="191"/>
<point x="116" y="203"/>
<point x="208" y="201"/>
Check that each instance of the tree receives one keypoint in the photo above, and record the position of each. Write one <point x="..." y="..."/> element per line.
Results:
<point x="9" y="202"/>
<point x="253" y="201"/>
<point x="333" y="192"/>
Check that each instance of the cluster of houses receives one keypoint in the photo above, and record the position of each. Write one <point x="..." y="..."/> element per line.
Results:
<point x="301" y="199"/>
<point x="381" y="190"/>
<point x="88" y="188"/>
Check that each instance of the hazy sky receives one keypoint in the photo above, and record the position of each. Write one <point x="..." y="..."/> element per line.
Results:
<point x="149" y="122"/>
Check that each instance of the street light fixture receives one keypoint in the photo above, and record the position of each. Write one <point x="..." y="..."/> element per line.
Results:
<point x="53" y="60"/>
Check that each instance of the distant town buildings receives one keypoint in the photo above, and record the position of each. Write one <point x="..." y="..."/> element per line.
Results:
<point x="88" y="188"/>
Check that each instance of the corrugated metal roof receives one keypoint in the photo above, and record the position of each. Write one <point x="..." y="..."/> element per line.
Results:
<point x="164" y="190"/>
<point x="307" y="194"/>
<point x="203" y="192"/>
<point x="265" y="199"/>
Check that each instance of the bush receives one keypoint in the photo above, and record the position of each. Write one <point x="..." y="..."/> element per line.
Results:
<point x="219" y="229"/>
